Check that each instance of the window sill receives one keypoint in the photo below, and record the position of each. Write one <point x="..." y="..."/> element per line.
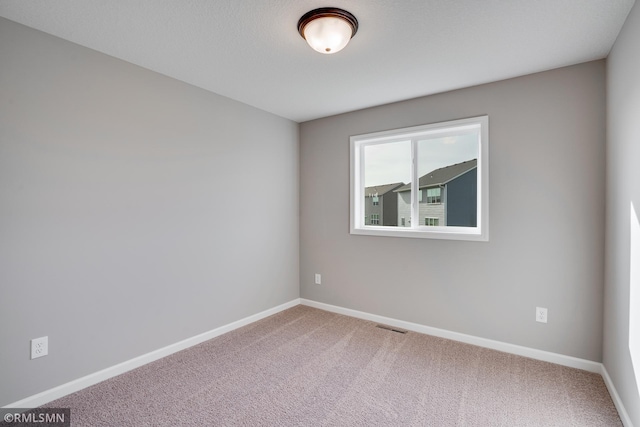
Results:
<point x="426" y="232"/>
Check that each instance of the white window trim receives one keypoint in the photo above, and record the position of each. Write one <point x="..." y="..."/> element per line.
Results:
<point x="478" y="233"/>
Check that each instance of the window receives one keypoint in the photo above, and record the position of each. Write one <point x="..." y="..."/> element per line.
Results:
<point x="376" y="201"/>
<point x="433" y="196"/>
<point x="634" y="294"/>
<point x="439" y="175"/>
<point x="431" y="222"/>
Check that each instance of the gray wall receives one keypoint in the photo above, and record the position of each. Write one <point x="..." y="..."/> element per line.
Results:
<point x="115" y="191"/>
<point x="547" y="147"/>
<point x="623" y="187"/>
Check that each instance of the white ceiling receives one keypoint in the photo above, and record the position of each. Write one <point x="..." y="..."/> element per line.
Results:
<point x="250" y="50"/>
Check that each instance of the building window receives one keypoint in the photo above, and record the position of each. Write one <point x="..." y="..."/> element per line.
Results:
<point x="376" y="201"/>
<point x="375" y="219"/>
<point x="442" y="174"/>
<point x="431" y="222"/>
<point x="434" y="196"/>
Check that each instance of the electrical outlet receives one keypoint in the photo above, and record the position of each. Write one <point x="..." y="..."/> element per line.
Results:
<point x="318" y="279"/>
<point x="39" y="347"/>
<point x="541" y="314"/>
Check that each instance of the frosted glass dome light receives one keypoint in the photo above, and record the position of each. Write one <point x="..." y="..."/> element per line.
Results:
<point x="328" y="29"/>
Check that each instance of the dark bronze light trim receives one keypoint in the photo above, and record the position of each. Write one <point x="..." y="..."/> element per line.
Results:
<point x="325" y="12"/>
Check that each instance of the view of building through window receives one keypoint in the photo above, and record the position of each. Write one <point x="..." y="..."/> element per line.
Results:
<point x="447" y="184"/>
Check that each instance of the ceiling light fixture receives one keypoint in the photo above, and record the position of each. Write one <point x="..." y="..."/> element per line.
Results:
<point x="327" y="29"/>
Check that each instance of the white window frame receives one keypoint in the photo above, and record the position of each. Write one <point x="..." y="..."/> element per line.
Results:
<point x="415" y="229"/>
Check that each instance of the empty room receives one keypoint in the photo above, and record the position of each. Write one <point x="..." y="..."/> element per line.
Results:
<point x="416" y="213"/>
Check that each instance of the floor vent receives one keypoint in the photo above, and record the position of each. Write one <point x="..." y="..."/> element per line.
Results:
<point x="392" y="329"/>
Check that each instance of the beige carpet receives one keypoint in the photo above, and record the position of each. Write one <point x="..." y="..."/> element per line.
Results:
<point x="308" y="367"/>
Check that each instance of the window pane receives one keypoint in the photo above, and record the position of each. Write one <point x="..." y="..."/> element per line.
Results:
<point x="387" y="168"/>
<point x="447" y="170"/>
<point x="431" y="222"/>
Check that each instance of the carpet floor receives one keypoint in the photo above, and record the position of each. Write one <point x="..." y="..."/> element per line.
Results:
<point x="308" y="367"/>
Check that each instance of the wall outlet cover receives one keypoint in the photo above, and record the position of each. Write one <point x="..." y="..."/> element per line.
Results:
<point x="541" y="314"/>
<point x="39" y="347"/>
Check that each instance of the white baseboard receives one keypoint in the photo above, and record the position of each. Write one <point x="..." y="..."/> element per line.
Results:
<point x="624" y="416"/>
<point x="532" y="353"/>
<point x="91" y="379"/>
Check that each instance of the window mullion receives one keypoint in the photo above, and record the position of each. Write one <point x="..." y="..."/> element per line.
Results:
<point x="414" y="185"/>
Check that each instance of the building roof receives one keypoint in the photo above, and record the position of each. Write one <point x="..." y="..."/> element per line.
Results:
<point x="443" y="175"/>
<point x="381" y="190"/>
